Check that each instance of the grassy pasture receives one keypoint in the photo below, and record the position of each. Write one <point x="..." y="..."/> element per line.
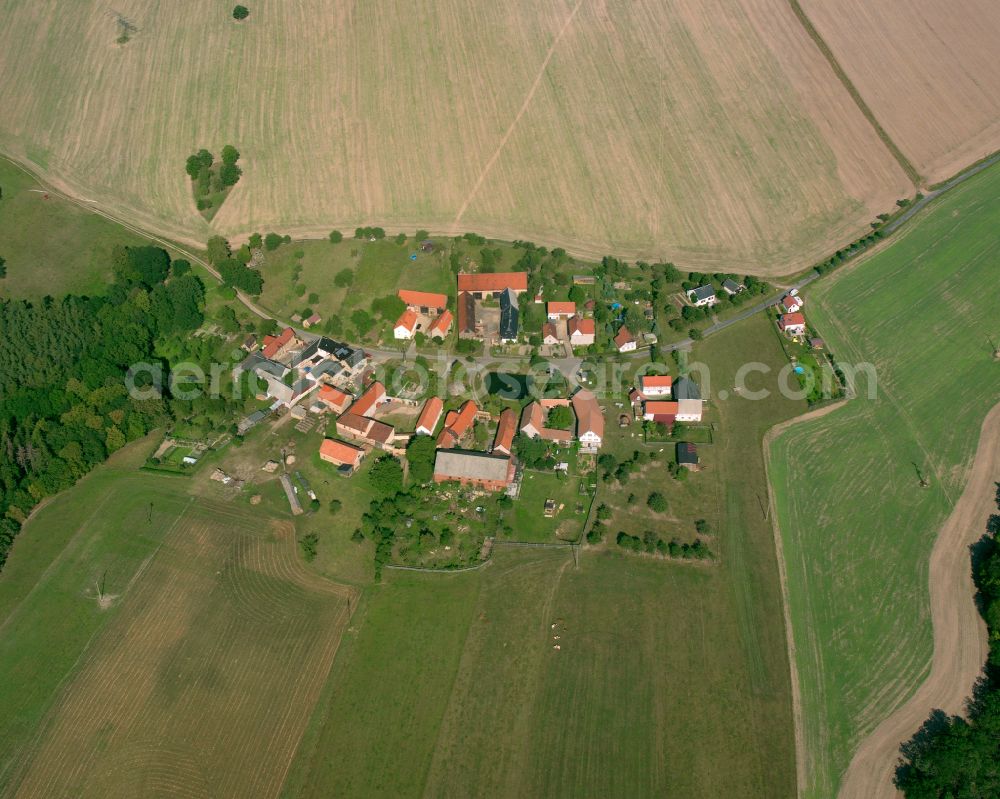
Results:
<point x="723" y="137"/>
<point x="199" y="677"/>
<point x="52" y="247"/>
<point x="857" y="528"/>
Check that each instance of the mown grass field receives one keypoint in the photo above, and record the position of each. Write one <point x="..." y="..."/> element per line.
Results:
<point x="856" y="525"/>
<point x="51" y="246"/>
<point x="671" y="678"/>
<point x="199" y="676"/>
<point x="706" y="133"/>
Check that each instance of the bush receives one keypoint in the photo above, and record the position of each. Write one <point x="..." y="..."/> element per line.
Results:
<point x="180" y="267"/>
<point x="336" y="237"/>
<point x="344" y="278"/>
<point x="241" y="13"/>
<point x="657" y="502"/>
<point x="401" y="239"/>
<point x="596" y="535"/>
<point x="308" y="543"/>
<point x="272" y="241"/>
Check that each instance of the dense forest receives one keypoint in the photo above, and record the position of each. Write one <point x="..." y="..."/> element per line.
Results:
<point x="65" y="405"/>
<point x="959" y="758"/>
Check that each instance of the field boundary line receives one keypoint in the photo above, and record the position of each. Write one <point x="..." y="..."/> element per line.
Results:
<point x="517" y="117"/>
<point x="852" y="90"/>
<point x="797" y="718"/>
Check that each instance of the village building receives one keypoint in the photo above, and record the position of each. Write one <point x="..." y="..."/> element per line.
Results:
<point x="372" y="398"/>
<point x="311" y="321"/>
<point x="479" y="469"/>
<point x="249" y="343"/>
<point x="340" y="454"/>
<point x="625" y="341"/>
<point x="560" y="310"/>
<point x="689" y="410"/>
<point x="792" y="324"/>
<point x="581" y="331"/>
<point x="457" y="424"/>
<point x="334" y="399"/>
<point x="532" y="425"/>
<point x="589" y="420"/>
<point x="509" y="316"/>
<point x="656" y="385"/>
<point x="424" y="302"/>
<point x="406" y="325"/>
<point x="361" y="428"/>
<point x="687" y="456"/>
<point x="792" y="302"/>
<point x="549" y="334"/>
<point x="276" y="347"/>
<point x="661" y="411"/>
<point x="492" y="284"/>
<point x="731" y="287"/>
<point x="441" y="326"/>
<point x="429" y="417"/>
<point x="702" y="296"/>
<point x="466" y="315"/>
<point x="686" y="388"/>
<point x="503" y="441"/>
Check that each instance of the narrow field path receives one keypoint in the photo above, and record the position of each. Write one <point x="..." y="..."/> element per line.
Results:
<point x="960" y="637"/>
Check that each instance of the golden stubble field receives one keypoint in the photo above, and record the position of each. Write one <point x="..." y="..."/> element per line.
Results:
<point x="712" y="133"/>
<point x="928" y="70"/>
<point x="204" y="682"/>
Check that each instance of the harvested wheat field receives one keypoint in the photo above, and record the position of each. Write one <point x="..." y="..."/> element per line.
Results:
<point x="205" y="679"/>
<point x="928" y="70"/>
<point x="710" y="133"/>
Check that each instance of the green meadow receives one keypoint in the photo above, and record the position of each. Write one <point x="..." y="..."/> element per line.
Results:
<point x="856" y="524"/>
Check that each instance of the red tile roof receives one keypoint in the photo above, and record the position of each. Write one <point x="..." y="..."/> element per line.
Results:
<point x="790" y="319"/>
<point x="549" y="329"/>
<point x="506" y="428"/>
<point x="335" y="397"/>
<point x="441" y="325"/>
<point x="624" y="337"/>
<point x="272" y="344"/>
<point x="492" y="281"/>
<point x="583" y="326"/>
<point x="466" y="416"/>
<point x="589" y="416"/>
<point x="408" y="320"/>
<point x="366" y="403"/>
<point x="339" y="453"/>
<point x="565" y="308"/>
<point x="423" y="298"/>
<point x="656" y="381"/>
<point x="429" y="416"/>
<point x="660" y="407"/>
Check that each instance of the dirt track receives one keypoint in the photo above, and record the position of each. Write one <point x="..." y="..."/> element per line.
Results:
<point x="960" y="643"/>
